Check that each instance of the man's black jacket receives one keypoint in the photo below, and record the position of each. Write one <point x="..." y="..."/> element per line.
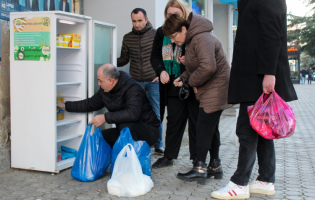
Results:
<point x="260" y="48"/>
<point x="126" y="102"/>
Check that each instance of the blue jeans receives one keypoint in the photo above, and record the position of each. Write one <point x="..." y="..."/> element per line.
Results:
<point x="303" y="79"/>
<point x="153" y="93"/>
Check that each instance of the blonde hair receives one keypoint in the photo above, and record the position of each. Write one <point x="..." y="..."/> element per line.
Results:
<point x="181" y="4"/>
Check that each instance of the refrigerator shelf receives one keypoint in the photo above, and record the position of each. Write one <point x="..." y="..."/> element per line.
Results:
<point x="67" y="122"/>
<point x="64" y="138"/>
<point x="72" y="48"/>
<point x="69" y="83"/>
<point x="65" y="164"/>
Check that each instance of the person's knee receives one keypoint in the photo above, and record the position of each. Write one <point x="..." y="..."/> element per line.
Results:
<point x="123" y="125"/>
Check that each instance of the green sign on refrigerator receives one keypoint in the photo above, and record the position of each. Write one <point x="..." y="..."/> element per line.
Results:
<point x="32" y="39"/>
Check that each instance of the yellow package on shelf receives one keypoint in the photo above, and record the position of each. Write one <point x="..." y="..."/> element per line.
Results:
<point x="76" y="36"/>
<point x="66" y="43"/>
<point x="74" y="44"/>
<point x="59" y="38"/>
<point x="60" y="43"/>
<point x="67" y="38"/>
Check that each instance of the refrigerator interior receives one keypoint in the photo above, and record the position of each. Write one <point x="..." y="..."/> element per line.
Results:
<point x="71" y="79"/>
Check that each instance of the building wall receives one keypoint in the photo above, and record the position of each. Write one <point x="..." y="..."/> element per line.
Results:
<point x="5" y="125"/>
<point x="159" y="12"/>
<point x="220" y="24"/>
<point x="118" y="12"/>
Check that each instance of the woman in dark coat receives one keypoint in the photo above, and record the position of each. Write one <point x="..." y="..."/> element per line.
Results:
<point x="168" y="67"/>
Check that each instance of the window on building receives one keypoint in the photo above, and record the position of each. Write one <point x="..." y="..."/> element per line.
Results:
<point x="198" y="6"/>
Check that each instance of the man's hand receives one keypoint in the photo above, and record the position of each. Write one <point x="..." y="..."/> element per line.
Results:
<point x="156" y="79"/>
<point x="178" y="83"/>
<point x="195" y="90"/>
<point x="98" y="120"/>
<point x="61" y="105"/>
<point x="269" y="83"/>
<point x="182" y="60"/>
<point x="165" y="78"/>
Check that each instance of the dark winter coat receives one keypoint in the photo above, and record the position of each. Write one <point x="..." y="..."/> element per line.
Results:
<point x="310" y="73"/>
<point x="136" y="48"/>
<point x="67" y="9"/>
<point x="157" y="63"/>
<point x="207" y="66"/>
<point x="260" y="48"/>
<point x="303" y="72"/>
<point x="34" y="5"/>
<point x="126" y="102"/>
<point x="51" y="6"/>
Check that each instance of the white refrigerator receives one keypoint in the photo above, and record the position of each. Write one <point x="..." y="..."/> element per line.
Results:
<point x="39" y="70"/>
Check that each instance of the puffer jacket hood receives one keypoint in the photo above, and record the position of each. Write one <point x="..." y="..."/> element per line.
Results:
<point x="144" y="30"/>
<point x="198" y="25"/>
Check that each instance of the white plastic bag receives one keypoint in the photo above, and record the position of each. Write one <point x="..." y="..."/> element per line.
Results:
<point x="127" y="179"/>
<point x="233" y="136"/>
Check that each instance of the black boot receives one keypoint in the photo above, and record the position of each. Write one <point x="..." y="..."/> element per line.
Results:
<point x="198" y="173"/>
<point x="162" y="162"/>
<point x="215" y="169"/>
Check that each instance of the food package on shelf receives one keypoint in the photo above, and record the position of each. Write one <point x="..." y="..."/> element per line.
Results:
<point x="60" y="43"/>
<point x="75" y="36"/>
<point x="67" y="38"/>
<point x="74" y="43"/>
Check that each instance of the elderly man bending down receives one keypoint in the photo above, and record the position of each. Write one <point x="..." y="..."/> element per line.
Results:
<point x="127" y="105"/>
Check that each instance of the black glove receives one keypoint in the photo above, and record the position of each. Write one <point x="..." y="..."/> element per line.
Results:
<point x="184" y="90"/>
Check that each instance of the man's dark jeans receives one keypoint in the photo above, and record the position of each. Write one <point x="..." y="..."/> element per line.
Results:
<point x="250" y="143"/>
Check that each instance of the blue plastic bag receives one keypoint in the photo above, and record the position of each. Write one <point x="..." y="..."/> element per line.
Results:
<point x="142" y="149"/>
<point x="93" y="157"/>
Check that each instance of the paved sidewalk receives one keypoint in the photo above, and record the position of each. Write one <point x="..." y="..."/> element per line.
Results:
<point x="294" y="177"/>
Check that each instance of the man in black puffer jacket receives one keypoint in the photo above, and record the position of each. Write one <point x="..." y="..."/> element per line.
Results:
<point x="127" y="105"/>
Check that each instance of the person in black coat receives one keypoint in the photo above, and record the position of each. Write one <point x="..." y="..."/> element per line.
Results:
<point x="178" y="110"/>
<point x="127" y="105"/>
<point x="64" y="6"/>
<point x="310" y="75"/>
<point x="260" y="65"/>
<point x="50" y="6"/>
<point x="33" y="4"/>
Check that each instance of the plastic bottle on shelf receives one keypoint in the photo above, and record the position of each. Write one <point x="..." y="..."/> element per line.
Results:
<point x="60" y="112"/>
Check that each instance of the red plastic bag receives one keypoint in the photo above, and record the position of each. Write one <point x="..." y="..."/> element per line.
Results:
<point x="271" y="117"/>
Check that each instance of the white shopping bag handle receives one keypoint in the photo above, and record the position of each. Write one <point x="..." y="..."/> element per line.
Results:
<point x="126" y="150"/>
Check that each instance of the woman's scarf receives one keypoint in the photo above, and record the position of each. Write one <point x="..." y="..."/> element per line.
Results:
<point x="171" y="58"/>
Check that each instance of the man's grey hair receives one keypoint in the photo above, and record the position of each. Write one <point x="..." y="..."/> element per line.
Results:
<point x="111" y="72"/>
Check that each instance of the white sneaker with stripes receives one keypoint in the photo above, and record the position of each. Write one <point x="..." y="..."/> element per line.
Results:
<point x="260" y="187"/>
<point x="232" y="191"/>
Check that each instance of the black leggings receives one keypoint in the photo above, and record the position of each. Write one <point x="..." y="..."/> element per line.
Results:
<point x="178" y="111"/>
<point x="208" y="134"/>
<point x="139" y="131"/>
